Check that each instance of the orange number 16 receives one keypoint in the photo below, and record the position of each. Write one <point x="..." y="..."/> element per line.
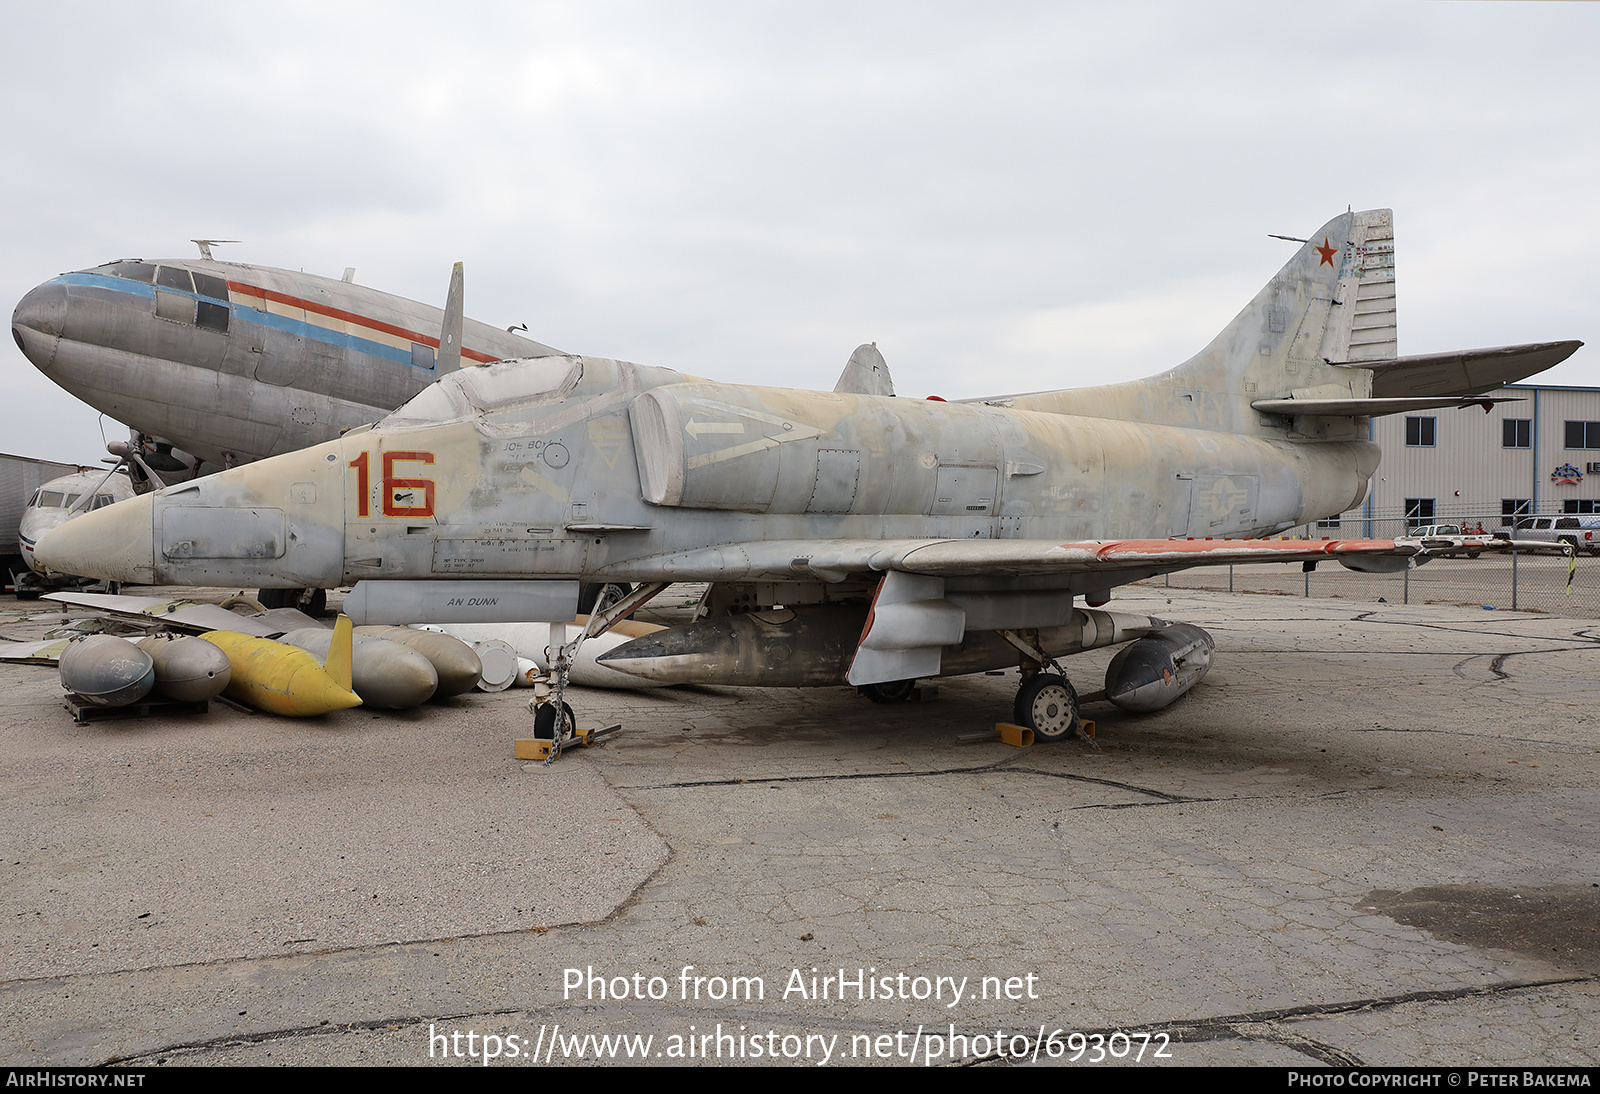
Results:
<point x="405" y="488"/>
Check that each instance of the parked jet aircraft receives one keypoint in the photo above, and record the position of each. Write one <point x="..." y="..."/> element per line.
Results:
<point x="850" y="536"/>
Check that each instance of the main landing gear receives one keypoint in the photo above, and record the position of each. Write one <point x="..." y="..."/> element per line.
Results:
<point x="1047" y="704"/>
<point x="894" y="691"/>
<point x="312" y="602"/>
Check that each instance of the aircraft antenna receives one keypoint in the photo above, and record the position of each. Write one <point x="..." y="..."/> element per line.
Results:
<point x="1291" y="239"/>
<point x="205" y="245"/>
<point x="450" y="331"/>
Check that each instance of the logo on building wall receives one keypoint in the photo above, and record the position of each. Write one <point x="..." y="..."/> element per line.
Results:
<point x="1566" y="475"/>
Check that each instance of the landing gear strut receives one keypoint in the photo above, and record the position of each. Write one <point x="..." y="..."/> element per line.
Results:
<point x="601" y="619"/>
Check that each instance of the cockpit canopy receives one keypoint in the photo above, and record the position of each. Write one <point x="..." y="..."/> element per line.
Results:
<point x="166" y="277"/>
<point x="58" y="499"/>
<point x="500" y="393"/>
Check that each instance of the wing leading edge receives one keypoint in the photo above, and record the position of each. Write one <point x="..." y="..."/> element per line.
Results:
<point x="835" y="560"/>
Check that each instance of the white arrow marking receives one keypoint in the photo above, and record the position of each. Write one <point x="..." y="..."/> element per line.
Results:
<point x="698" y="429"/>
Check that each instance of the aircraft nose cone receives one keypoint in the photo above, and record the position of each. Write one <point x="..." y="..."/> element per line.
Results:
<point x="44" y="309"/>
<point x="113" y="544"/>
<point x="38" y="321"/>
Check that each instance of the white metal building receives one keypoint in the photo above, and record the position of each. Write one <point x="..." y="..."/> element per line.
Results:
<point x="1540" y="454"/>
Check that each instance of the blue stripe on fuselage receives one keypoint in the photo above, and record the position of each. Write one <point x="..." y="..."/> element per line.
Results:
<point x="244" y="313"/>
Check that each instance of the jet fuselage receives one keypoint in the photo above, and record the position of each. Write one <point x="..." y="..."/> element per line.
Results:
<point x="577" y="467"/>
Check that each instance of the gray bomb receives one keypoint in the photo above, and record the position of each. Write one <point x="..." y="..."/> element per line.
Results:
<point x="458" y="667"/>
<point x="188" y="669"/>
<point x="107" y="671"/>
<point x="385" y="674"/>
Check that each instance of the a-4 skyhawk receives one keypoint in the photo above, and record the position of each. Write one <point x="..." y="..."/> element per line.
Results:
<point x="849" y="536"/>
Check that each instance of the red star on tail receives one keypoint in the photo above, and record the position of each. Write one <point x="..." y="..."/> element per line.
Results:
<point x="1326" y="252"/>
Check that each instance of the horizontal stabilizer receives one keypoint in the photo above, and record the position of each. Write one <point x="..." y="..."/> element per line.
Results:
<point x="1465" y="372"/>
<point x="1372" y="408"/>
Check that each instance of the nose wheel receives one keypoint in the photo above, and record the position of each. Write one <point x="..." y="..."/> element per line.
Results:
<point x="544" y="722"/>
<point x="1047" y="704"/>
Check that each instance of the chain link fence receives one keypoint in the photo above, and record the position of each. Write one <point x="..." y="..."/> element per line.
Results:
<point x="1517" y="581"/>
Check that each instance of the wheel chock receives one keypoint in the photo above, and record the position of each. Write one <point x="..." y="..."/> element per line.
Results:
<point x="1014" y="735"/>
<point x="1086" y="727"/>
<point x="537" y="748"/>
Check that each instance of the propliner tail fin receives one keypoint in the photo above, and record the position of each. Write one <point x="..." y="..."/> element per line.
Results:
<point x="341" y="652"/>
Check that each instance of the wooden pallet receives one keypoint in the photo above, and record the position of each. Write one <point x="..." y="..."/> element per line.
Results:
<point x="84" y="712"/>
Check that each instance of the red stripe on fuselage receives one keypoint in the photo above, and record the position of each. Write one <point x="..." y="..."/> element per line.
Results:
<point x="351" y="317"/>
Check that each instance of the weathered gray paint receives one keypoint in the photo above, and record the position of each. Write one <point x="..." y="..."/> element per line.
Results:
<point x="588" y="468"/>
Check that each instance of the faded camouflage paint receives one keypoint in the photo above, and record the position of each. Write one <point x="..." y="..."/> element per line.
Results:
<point x="569" y="467"/>
<point x="500" y="507"/>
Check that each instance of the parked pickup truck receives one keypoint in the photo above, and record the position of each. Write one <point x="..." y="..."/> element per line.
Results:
<point x="1582" y="533"/>
<point x="1467" y="543"/>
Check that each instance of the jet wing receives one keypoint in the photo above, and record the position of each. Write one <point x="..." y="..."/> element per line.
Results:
<point x="187" y="616"/>
<point x="47" y="652"/>
<point x="834" y="560"/>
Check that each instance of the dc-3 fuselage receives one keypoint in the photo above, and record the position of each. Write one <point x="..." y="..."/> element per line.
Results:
<point x="939" y="535"/>
<point x="232" y="362"/>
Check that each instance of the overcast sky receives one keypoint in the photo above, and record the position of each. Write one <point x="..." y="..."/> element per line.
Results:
<point x="1004" y="197"/>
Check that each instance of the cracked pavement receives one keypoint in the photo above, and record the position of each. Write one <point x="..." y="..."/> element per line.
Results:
<point x="1368" y="837"/>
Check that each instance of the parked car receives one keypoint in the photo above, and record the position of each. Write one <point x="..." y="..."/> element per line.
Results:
<point x="1581" y="532"/>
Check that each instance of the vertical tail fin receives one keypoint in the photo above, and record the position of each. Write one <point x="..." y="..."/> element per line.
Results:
<point x="1333" y="303"/>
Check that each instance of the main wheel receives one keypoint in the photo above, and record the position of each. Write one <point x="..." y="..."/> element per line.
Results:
<point x="310" y="601"/>
<point x="895" y="691"/>
<point x="1048" y="705"/>
<point x="544" y="722"/>
<point x="598" y="596"/>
